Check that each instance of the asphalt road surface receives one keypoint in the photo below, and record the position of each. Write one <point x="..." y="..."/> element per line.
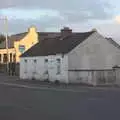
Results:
<point x="34" y="104"/>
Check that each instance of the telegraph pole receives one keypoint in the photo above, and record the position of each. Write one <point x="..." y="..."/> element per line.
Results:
<point x="6" y="41"/>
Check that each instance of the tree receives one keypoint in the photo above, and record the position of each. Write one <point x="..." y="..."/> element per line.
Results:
<point x="2" y="38"/>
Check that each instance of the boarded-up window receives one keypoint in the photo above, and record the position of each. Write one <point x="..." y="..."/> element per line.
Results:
<point x="35" y="61"/>
<point x="46" y="66"/>
<point x="25" y="66"/>
<point x="58" y="66"/>
<point x="46" y="60"/>
<point x="35" y="65"/>
<point x="25" y="61"/>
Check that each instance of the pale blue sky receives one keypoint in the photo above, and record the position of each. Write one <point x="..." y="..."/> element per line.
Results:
<point x="51" y="15"/>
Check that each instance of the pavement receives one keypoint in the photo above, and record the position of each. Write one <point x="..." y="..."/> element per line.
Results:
<point x="31" y="102"/>
<point x="15" y="81"/>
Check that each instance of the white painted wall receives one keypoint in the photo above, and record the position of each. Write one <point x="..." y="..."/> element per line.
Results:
<point x="37" y="70"/>
<point x="81" y="77"/>
<point x="94" y="53"/>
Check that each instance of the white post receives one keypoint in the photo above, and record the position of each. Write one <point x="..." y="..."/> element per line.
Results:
<point x="6" y="36"/>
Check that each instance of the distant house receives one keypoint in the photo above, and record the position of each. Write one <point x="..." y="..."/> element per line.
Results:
<point x="64" y="57"/>
<point x="19" y="43"/>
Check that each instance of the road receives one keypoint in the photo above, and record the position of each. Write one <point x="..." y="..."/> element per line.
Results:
<point x="24" y="103"/>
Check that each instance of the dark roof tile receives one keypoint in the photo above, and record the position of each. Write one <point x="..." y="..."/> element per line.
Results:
<point x="57" y="45"/>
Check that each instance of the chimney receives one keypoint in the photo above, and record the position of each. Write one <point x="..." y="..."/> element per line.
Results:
<point x="66" y="31"/>
<point x="32" y="29"/>
<point x="94" y="30"/>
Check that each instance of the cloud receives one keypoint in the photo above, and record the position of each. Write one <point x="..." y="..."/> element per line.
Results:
<point x="29" y="14"/>
<point x="72" y="10"/>
<point x="110" y="30"/>
<point x="20" y="25"/>
<point x="68" y="12"/>
<point x="117" y="19"/>
<point x="7" y="4"/>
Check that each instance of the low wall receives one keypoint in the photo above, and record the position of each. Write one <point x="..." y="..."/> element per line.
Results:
<point x="3" y="68"/>
<point x="93" y="77"/>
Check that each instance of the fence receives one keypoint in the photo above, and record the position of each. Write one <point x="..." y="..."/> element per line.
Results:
<point x="13" y="68"/>
<point x="94" y="77"/>
<point x="3" y="68"/>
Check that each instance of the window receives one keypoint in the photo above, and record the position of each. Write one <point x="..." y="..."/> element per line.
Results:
<point x="46" y="66"/>
<point x="25" y="61"/>
<point x="10" y="57"/>
<point x="0" y="58"/>
<point x="21" y="48"/>
<point x="14" y="58"/>
<point x="35" y="66"/>
<point x="35" y="61"/>
<point x="58" y="60"/>
<point x="46" y="60"/>
<point x="5" y="58"/>
<point x="58" y="66"/>
<point x="26" y="65"/>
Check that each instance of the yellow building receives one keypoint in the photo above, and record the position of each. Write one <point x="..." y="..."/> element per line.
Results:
<point x="18" y="44"/>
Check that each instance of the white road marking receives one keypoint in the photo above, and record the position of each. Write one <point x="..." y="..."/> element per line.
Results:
<point x="45" y="88"/>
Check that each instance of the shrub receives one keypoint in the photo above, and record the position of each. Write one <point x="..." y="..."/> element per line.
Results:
<point x="57" y="82"/>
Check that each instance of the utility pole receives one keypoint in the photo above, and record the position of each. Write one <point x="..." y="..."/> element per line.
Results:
<point x="5" y="19"/>
<point x="6" y="40"/>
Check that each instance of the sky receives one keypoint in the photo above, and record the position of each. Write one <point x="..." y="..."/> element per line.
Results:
<point x="52" y="15"/>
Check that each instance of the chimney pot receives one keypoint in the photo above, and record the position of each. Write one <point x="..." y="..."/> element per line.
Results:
<point x="66" y="31"/>
<point x="32" y="29"/>
<point x="94" y="30"/>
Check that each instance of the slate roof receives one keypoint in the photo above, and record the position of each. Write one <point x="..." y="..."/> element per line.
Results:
<point x="41" y="35"/>
<point x="57" y="45"/>
<point x="11" y="40"/>
<point x="44" y="35"/>
<point x="17" y="37"/>
<point x="113" y="42"/>
<point x="2" y="45"/>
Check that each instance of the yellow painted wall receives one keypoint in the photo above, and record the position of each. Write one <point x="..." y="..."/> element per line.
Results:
<point x="4" y="51"/>
<point x="28" y="41"/>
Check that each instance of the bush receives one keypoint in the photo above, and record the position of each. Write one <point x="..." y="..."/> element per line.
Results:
<point x="33" y="78"/>
<point x="46" y="80"/>
<point x="57" y="82"/>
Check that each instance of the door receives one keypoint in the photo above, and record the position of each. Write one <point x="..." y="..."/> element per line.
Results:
<point x="34" y="71"/>
<point x="52" y="69"/>
<point x="46" y="73"/>
<point x="100" y="77"/>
